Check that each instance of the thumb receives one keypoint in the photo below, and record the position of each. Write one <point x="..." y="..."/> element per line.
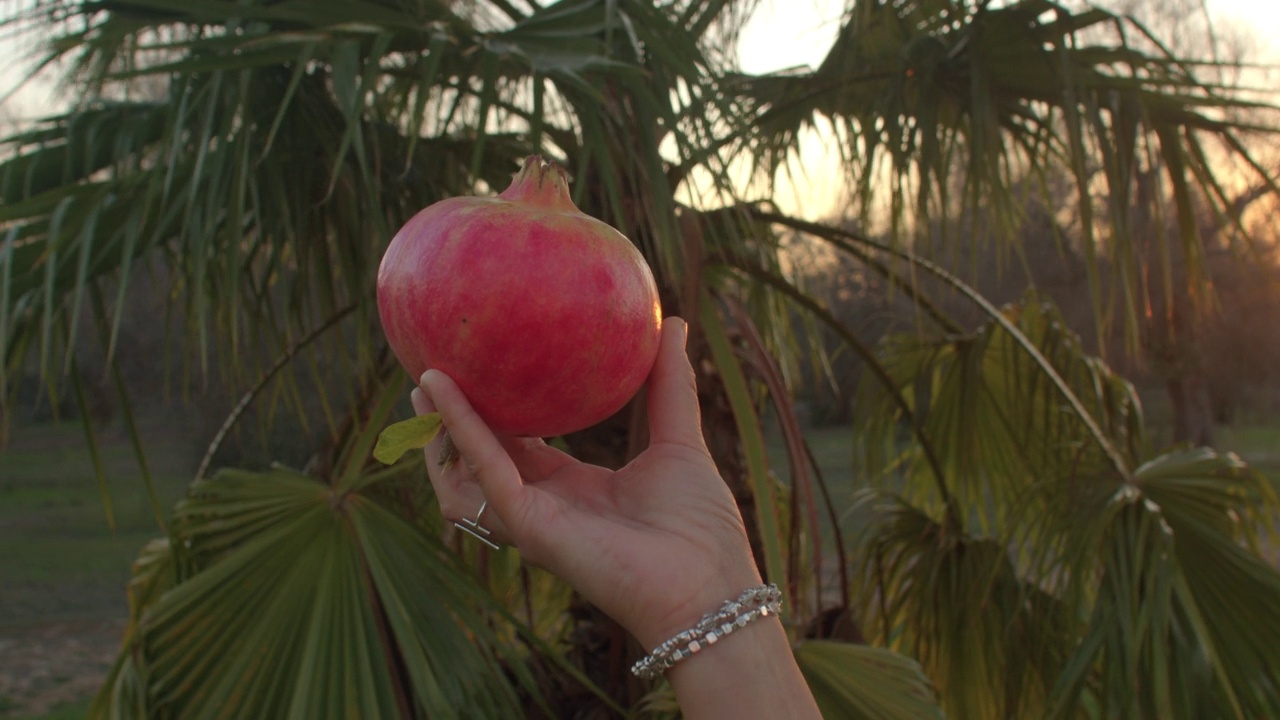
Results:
<point x="674" y="416"/>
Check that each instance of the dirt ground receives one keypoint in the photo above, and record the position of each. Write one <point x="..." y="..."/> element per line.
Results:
<point x="46" y="666"/>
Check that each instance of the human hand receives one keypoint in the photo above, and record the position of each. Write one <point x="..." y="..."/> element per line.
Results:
<point x="654" y="545"/>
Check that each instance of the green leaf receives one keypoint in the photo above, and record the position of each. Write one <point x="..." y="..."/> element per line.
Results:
<point x="750" y="426"/>
<point x="124" y="690"/>
<point x="301" y="600"/>
<point x="860" y="682"/>
<point x="399" y="438"/>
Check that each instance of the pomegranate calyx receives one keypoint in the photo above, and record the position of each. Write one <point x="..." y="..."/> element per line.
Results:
<point x="540" y="182"/>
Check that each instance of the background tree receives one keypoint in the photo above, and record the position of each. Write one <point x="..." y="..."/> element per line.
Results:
<point x="1027" y="553"/>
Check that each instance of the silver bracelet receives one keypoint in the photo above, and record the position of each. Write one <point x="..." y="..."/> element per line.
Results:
<point x="751" y="605"/>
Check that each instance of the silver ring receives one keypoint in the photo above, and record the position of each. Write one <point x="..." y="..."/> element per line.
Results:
<point x="475" y="529"/>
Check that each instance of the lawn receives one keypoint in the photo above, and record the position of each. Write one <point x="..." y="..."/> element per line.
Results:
<point x="67" y="711"/>
<point x="1258" y="444"/>
<point x="60" y="555"/>
<point x="63" y="565"/>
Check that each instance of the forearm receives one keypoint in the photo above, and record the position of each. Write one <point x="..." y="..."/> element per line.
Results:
<point x="751" y="673"/>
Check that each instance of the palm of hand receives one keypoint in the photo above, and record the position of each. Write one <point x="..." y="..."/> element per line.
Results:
<point x="664" y="521"/>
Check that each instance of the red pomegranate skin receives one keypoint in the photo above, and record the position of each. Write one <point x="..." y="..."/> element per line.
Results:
<point x="546" y="318"/>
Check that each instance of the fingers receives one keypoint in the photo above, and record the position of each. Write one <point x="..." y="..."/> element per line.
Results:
<point x="457" y="492"/>
<point x="483" y="454"/>
<point x="422" y="405"/>
<point x="673" y="393"/>
<point x="421" y="401"/>
<point x="535" y="459"/>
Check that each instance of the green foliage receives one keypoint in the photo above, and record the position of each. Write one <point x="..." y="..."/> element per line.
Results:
<point x="279" y="596"/>
<point x="860" y="682"/>
<point x="1107" y="588"/>
<point x="412" y="434"/>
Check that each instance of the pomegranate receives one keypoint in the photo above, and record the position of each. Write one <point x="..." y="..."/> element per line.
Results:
<point x="545" y="317"/>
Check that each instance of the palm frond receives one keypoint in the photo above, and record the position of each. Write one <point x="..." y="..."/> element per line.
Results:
<point x="988" y="638"/>
<point x="860" y="682"/>
<point x="287" y="597"/>
<point x="1153" y="558"/>
<point x="1161" y="641"/>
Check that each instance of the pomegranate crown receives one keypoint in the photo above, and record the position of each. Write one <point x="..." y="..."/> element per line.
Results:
<point x="540" y="182"/>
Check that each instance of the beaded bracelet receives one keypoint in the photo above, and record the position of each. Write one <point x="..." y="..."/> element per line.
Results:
<point x="751" y="605"/>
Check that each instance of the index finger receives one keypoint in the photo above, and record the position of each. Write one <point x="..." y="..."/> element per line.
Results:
<point x="481" y="450"/>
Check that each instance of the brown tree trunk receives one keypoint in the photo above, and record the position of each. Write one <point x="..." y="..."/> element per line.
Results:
<point x="1173" y="335"/>
<point x="1192" y="411"/>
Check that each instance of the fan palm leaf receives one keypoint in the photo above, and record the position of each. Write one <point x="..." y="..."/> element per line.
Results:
<point x="1049" y="530"/>
<point x="278" y="595"/>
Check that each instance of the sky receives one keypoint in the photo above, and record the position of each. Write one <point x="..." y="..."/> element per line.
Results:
<point x="1261" y="16"/>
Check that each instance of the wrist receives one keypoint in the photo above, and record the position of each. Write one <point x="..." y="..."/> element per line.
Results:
<point x="751" y="673"/>
<point x="756" y="603"/>
<point x="705" y="595"/>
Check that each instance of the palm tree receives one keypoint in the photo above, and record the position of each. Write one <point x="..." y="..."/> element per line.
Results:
<point x="1027" y="552"/>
